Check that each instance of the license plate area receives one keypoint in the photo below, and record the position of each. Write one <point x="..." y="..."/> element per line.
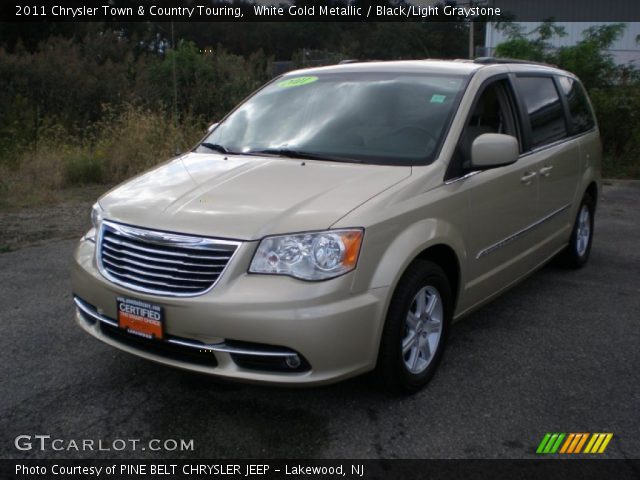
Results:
<point x="140" y="318"/>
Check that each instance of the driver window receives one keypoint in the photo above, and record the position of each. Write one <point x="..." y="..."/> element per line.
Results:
<point x="492" y="113"/>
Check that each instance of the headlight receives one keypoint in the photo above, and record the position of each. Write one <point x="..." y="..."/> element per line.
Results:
<point x="309" y="256"/>
<point x="96" y="221"/>
<point x="96" y="216"/>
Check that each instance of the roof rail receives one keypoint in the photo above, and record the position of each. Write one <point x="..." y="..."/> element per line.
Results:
<point x="353" y="60"/>
<point x="500" y="60"/>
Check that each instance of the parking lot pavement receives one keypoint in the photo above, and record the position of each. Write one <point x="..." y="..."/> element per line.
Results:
<point x="558" y="353"/>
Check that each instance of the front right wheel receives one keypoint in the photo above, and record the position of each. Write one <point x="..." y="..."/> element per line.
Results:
<point x="415" y="329"/>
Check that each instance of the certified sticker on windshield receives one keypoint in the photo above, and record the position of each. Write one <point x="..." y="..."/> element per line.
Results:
<point x="435" y="98"/>
<point x="297" y="82"/>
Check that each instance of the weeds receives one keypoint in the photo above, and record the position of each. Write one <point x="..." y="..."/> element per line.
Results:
<point x="122" y="144"/>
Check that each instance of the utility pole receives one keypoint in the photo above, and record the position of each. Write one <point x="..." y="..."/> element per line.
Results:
<point x="175" y="87"/>
<point x="471" y="42"/>
<point x="471" y="33"/>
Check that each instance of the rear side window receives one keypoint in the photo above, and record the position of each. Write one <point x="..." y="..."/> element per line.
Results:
<point x="581" y="117"/>
<point x="544" y="108"/>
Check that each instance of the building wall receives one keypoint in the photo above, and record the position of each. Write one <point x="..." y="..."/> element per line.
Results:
<point x="625" y="50"/>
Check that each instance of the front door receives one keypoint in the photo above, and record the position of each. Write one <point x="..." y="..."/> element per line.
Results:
<point x="502" y="202"/>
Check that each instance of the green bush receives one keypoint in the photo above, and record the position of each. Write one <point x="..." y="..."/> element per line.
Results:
<point x="98" y="109"/>
<point x="82" y="170"/>
<point x="74" y="83"/>
<point x="208" y="84"/>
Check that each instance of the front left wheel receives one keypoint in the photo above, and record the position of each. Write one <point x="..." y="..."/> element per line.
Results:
<point x="416" y="327"/>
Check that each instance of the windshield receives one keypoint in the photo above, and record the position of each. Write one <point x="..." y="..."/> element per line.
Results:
<point x="383" y="118"/>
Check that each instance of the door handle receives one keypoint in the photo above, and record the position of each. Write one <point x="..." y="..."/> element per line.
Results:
<point x="528" y="177"/>
<point x="546" y="170"/>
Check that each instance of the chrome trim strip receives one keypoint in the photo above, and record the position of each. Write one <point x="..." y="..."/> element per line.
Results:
<point x="555" y="143"/>
<point x="164" y="260"/>
<point x="144" y="280"/>
<point x="162" y="252"/>
<point x="166" y="239"/>
<point x="90" y="311"/>
<point x="158" y="275"/>
<point x="537" y="149"/>
<point x="169" y="239"/>
<point x="224" y="348"/>
<point x="518" y="234"/>
<point x="216" y="347"/>
<point x="464" y="177"/>
<point x="106" y="254"/>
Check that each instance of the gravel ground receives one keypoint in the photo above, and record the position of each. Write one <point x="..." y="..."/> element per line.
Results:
<point x="558" y="353"/>
<point x="61" y="220"/>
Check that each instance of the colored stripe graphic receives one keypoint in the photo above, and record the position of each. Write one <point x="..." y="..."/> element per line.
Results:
<point x="598" y="442"/>
<point x="552" y="440"/>
<point x="606" y="441"/>
<point x="556" y="445"/>
<point x="543" y="443"/>
<point x="550" y="443"/>
<point x="593" y="439"/>
<point x="581" y="443"/>
<point x="567" y="442"/>
<point x="572" y="443"/>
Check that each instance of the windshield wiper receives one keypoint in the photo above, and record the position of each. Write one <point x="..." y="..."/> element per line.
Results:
<point x="291" y="153"/>
<point x="216" y="147"/>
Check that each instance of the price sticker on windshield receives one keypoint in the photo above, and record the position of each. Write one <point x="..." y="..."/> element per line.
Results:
<point x="297" y="82"/>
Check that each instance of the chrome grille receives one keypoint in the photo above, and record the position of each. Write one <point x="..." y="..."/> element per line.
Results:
<point x="161" y="263"/>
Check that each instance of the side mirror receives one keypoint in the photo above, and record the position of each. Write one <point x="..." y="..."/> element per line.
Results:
<point x="212" y="127"/>
<point x="491" y="150"/>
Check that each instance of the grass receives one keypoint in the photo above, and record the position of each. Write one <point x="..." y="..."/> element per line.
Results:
<point x="628" y="168"/>
<point x="116" y="148"/>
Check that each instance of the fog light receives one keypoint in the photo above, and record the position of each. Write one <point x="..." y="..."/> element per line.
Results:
<point x="293" y="361"/>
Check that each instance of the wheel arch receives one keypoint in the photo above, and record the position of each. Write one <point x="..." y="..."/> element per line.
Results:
<point x="445" y="257"/>
<point x="432" y="239"/>
<point x="592" y="190"/>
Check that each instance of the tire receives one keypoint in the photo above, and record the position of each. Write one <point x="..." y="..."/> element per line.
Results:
<point x="577" y="252"/>
<point x="418" y="319"/>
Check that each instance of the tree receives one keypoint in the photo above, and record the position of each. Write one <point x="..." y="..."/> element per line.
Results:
<point x="533" y="45"/>
<point x="589" y="58"/>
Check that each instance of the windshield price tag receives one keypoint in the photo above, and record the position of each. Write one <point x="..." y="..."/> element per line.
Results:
<point x="297" y="82"/>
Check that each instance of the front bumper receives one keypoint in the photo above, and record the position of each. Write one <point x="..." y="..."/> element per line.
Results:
<point x="333" y="330"/>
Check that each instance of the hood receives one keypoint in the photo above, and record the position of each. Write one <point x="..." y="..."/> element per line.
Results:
<point x="246" y="197"/>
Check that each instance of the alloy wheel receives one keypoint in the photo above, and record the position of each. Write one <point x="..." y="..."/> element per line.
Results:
<point x="583" y="232"/>
<point x="423" y="329"/>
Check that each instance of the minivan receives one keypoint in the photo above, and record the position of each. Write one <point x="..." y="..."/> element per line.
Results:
<point x="341" y="218"/>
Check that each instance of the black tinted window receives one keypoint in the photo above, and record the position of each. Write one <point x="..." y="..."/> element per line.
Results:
<point x="581" y="117"/>
<point x="544" y="108"/>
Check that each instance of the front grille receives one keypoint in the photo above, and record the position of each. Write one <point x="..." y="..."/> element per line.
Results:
<point x="161" y="263"/>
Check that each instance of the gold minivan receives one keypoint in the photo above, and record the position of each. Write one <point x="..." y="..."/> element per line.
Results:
<point x="341" y="218"/>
